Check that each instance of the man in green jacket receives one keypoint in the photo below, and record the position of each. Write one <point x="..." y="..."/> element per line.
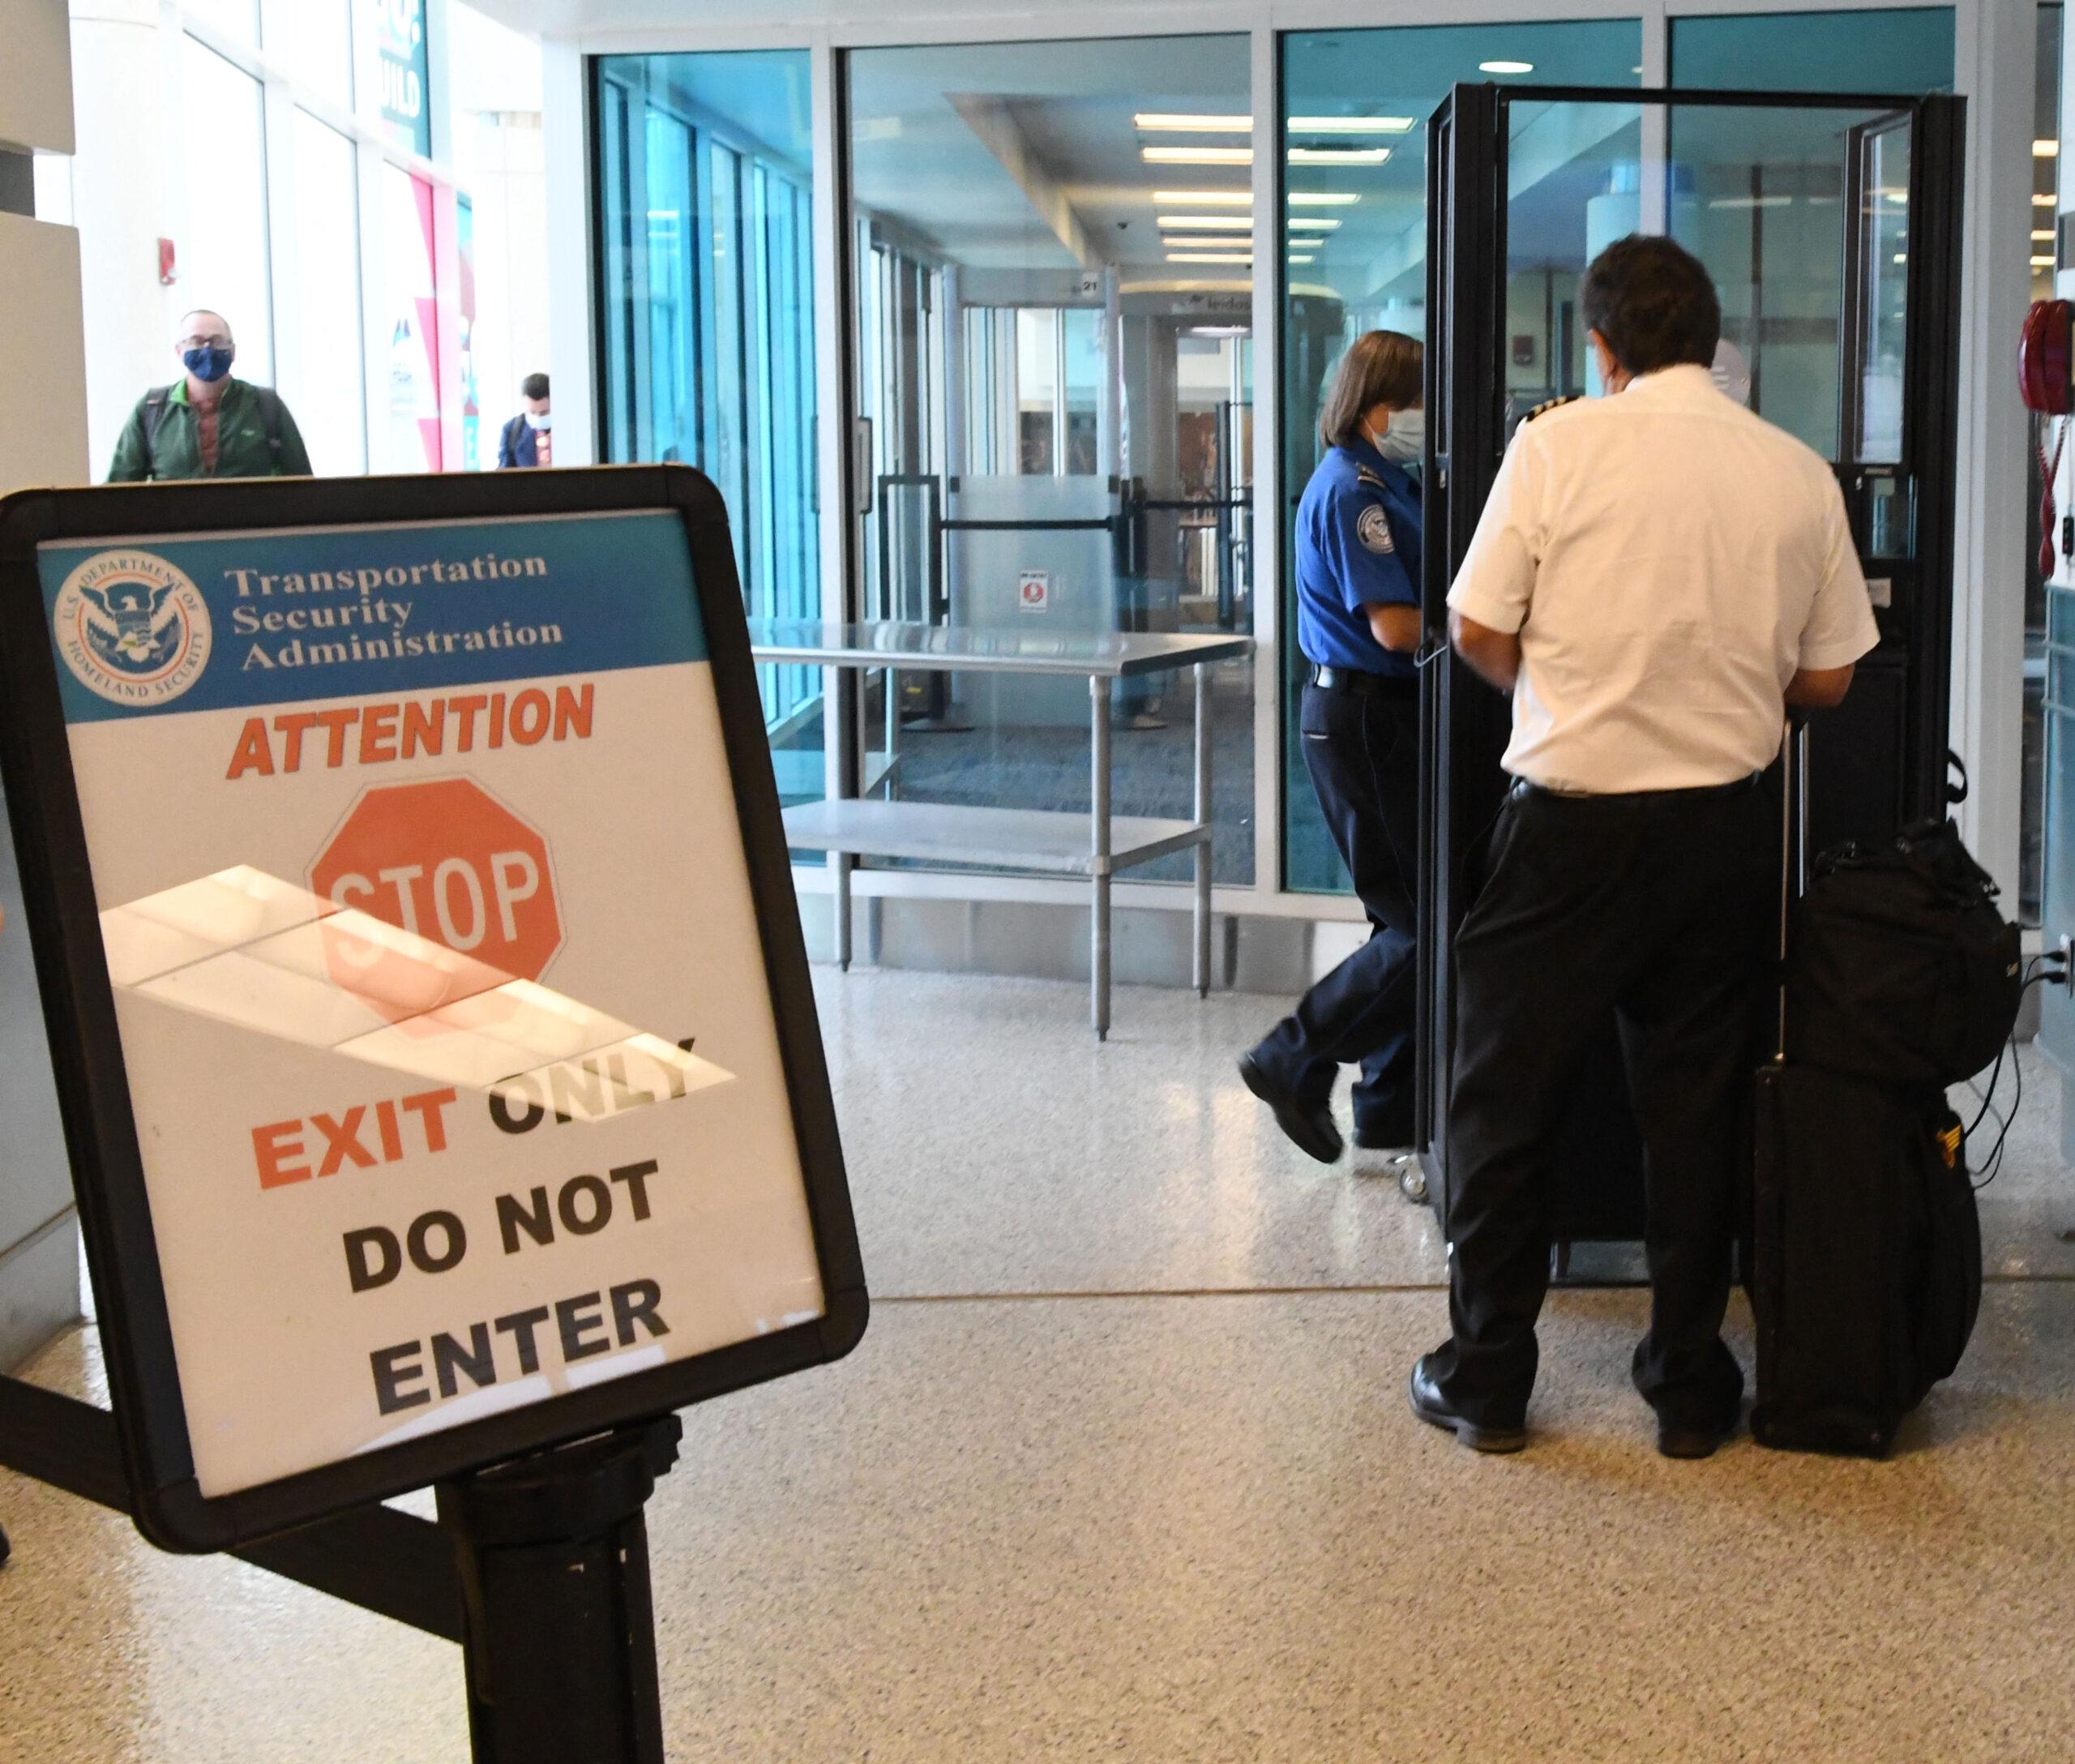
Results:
<point x="208" y="424"/>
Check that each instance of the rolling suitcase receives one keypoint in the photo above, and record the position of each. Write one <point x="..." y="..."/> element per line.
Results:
<point x="1866" y="1263"/>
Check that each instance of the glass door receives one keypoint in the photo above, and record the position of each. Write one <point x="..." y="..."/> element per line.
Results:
<point x="1830" y="227"/>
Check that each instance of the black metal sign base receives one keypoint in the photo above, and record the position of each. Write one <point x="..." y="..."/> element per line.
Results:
<point x="559" y="1627"/>
<point x="539" y="1568"/>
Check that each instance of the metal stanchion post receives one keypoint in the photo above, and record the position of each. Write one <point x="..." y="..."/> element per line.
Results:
<point x="559" y="1627"/>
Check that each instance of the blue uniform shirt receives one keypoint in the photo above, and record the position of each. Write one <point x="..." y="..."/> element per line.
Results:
<point x="1358" y="545"/>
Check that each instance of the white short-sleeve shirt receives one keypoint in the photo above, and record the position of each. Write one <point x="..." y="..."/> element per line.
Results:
<point x="1669" y="560"/>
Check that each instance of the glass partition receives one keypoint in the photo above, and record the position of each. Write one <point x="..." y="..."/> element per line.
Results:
<point x="326" y="384"/>
<point x="1355" y="105"/>
<point x="1053" y="272"/>
<point x="223" y="249"/>
<point x="1898" y="49"/>
<point x="706" y="208"/>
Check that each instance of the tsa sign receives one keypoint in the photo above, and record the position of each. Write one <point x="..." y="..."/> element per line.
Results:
<point x="436" y="969"/>
<point x="1034" y="590"/>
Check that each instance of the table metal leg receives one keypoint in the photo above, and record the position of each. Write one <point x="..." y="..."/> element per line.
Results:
<point x="843" y="862"/>
<point x="1098" y="949"/>
<point x="1202" y="927"/>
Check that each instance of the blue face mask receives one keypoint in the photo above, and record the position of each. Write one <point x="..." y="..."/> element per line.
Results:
<point x="209" y="364"/>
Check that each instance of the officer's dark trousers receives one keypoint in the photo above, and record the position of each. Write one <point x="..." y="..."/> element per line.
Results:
<point x="1662" y="908"/>
<point x="1363" y="754"/>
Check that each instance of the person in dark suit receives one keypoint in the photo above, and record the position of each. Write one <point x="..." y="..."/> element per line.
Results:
<point x="527" y="439"/>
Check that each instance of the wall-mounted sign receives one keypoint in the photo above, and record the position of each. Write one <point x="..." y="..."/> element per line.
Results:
<point x="399" y="27"/>
<point x="1034" y="590"/>
<point x="445" y="1079"/>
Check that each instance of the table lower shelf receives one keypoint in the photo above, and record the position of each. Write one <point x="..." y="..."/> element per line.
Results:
<point x="1000" y="838"/>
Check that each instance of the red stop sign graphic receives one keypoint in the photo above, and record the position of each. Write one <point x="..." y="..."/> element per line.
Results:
<point x="448" y="861"/>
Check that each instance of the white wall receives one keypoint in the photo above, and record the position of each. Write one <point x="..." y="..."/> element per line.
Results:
<point x="120" y="199"/>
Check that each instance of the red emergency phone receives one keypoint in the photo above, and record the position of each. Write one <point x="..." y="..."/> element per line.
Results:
<point x="2046" y="382"/>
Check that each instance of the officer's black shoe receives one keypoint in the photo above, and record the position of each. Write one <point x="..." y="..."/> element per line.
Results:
<point x="1310" y="1129"/>
<point x="1677" y="1439"/>
<point x="1432" y="1407"/>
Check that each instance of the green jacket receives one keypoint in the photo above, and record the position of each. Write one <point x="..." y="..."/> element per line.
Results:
<point x="246" y="442"/>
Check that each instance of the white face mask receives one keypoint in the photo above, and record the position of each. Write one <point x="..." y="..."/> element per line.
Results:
<point x="1404" y="443"/>
<point x="545" y="420"/>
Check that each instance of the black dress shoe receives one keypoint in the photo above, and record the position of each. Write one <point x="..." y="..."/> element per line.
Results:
<point x="1310" y="1129"/>
<point x="1432" y="1407"/>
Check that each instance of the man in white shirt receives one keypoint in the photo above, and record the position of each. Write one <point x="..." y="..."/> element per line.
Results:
<point x="1657" y="577"/>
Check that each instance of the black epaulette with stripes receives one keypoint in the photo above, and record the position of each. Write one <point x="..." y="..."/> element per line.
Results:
<point x="1543" y="409"/>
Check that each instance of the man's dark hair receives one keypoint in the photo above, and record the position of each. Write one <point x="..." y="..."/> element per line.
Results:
<point x="533" y="386"/>
<point x="1654" y="305"/>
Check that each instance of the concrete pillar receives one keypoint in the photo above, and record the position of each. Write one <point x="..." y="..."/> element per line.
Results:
<point x="44" y="441"/>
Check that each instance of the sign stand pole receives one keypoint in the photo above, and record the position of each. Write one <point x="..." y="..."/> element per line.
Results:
<point x="559" y="1626"/>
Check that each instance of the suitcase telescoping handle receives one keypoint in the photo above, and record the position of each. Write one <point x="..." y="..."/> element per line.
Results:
<point x="1794" y="846"/>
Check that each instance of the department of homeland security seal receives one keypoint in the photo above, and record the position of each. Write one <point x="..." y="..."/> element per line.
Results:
<point x="131" y="628"/>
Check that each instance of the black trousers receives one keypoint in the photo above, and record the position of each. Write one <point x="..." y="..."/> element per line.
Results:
<point x="1363" y="752"/>
<point x="1662" y="909"/>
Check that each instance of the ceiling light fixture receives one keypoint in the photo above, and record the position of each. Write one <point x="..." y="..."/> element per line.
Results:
<point x="2042" y="263"/>
<point x="1505" y="67"/>
<point x="1302" y="257"/>
<point x="1209" y="223"/>
<point x="2043" y="199"/>
<point x="1170" y="122"/>
<point x="1350" y="125"/>
<point x="1322" y="199"/>
<point x="1227" y="199"/>
<point x="1312" y="223"/>
<point x="1338" y="156"/>
<point x="2045" y="149"/>
<point x="1191" y="242"/>
<point x="2043" y="238"/>
<point x="1210" y="257"/>
<point x="1197" y="155"/>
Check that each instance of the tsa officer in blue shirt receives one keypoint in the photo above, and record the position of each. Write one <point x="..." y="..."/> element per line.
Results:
<point x="1358" y="533"/>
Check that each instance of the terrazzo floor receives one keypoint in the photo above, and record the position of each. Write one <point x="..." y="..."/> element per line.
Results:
<point x="1123" y="1470"/>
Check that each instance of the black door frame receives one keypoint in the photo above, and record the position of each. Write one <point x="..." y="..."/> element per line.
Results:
<point x="1464" y="724"/>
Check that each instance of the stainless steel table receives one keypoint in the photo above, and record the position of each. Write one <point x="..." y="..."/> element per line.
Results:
<point x="1046" y="841"/>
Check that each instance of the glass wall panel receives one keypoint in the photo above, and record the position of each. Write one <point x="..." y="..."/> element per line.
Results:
<point x="313" y="40"/>
<point x="1901" y="49"/>
<point x="1042" y="345"/>
<point x="1356" y="104"/>
<point x="705" y="207"/>
<point x="414" y="440"/>
<point x="327" y="389"/>
<point x="223" y="256"/>
<point x="239" y="18"/>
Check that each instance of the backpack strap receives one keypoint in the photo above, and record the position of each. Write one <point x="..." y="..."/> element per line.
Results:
<point x="158" y="402"/>
<point x="269" y="415"/>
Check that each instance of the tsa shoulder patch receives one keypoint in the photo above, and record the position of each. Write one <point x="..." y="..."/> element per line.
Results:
<point x="1374" y="530"/>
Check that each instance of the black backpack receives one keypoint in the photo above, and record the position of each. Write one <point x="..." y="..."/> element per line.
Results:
<point x="159" y="399"/>
<point x="1900" y="969"/>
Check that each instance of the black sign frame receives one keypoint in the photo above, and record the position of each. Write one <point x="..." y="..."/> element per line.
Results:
<point x="94" y="1098"/>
